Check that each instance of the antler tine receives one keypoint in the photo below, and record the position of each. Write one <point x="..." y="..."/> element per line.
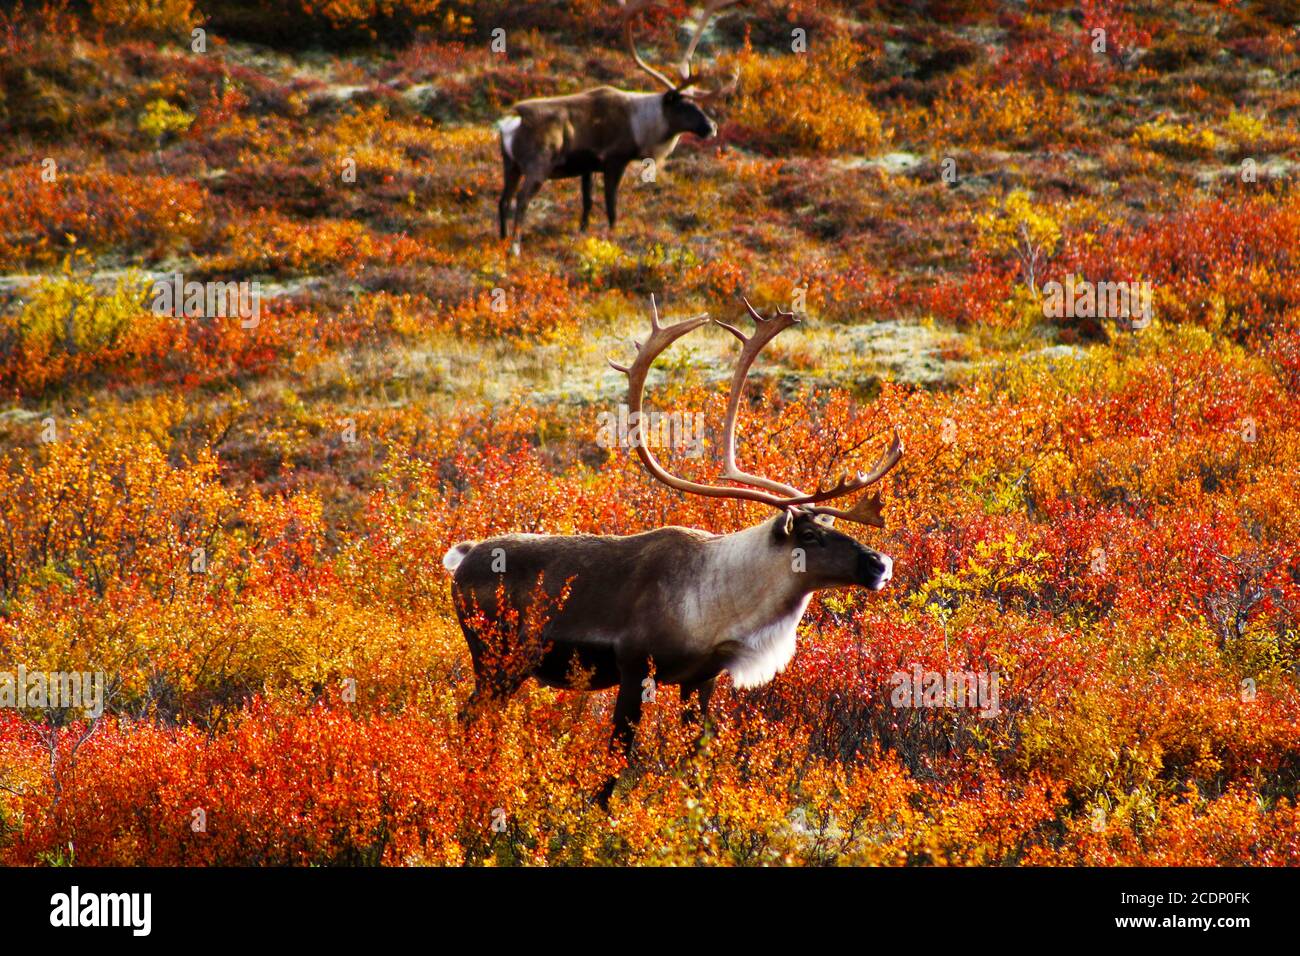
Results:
<point x="684" y="67"/>
<point x="759" y="317"/>
<point x="888" y="459"/>
<point x="661" y="336"/>
<point x="862" y="479"/>
<point x="725" y="90"/>
<point x="765" y="331"/>
<point x="630" y="9"/>
<point x="869" y="509"/>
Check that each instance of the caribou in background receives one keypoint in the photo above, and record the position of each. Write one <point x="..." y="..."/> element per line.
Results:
<point x="601" y="130"/>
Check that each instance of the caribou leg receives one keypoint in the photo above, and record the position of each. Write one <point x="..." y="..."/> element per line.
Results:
<point x="532" y="183"/>
<point x="586" y="200"/>
<point x="701" y="691"/>
<point x="511" y="183"/>
<point x="627" y="712"/>
<point x="612" y="174"/>
<point x="491" y="688"/>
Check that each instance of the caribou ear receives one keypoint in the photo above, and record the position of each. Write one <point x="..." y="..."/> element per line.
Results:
<point x="784" y="525"/>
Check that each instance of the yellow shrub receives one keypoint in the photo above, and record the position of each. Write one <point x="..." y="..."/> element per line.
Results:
<point x="1013" y="115"/>
<point x="1174" y="139"/>
<point x="1244" y="129"/>
<point x="596" y="257"/>
<point x="160" y="117"/>
<point x="1018" y="226"/>
<point x="799" y="102"/>
<point x="67" y="312"/>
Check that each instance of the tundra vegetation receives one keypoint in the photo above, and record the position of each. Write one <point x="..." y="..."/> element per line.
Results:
<point x="242" y="524"/>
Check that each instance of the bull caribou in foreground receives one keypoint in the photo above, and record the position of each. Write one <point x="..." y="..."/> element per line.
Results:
<point x="601" y="130"/>
<point x="689" y="603"/>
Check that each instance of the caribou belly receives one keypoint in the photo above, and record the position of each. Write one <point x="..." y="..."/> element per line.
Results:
<point x="577" y="163"/>
<point x="571" y="664"/>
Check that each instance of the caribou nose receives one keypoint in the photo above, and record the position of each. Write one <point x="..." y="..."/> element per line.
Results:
<point x="875" y="569"/>
<point x="887" y="572"/>
<point x="710" y="130"/>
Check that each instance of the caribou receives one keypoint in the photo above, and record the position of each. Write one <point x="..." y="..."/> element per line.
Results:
<point x="684" y="603"/>
<point x="602" y="130"/>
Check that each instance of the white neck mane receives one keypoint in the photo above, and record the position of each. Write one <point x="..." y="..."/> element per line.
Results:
<point x="649" y="127"/>
<point x="745" y="594"/>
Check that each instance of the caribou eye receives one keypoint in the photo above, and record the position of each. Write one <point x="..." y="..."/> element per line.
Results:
<point x="809" y="536"/>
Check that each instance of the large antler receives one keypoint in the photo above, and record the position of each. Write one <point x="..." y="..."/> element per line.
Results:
<point x="631" y="8"/>
<point x="765" y="490"/>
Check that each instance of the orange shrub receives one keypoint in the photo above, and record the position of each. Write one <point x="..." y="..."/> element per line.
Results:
<point x="146" y="16"/>
<point x="793" y="102"/>
<point x="42" y="221"/>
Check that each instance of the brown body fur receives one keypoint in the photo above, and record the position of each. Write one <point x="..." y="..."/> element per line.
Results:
<point x="684" y="603"/>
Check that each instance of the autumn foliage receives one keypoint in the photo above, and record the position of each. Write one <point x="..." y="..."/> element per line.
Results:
<point x="242" y="525"/>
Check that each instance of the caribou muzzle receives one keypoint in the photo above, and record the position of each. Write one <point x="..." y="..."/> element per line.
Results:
<point x="874" y="569"/>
